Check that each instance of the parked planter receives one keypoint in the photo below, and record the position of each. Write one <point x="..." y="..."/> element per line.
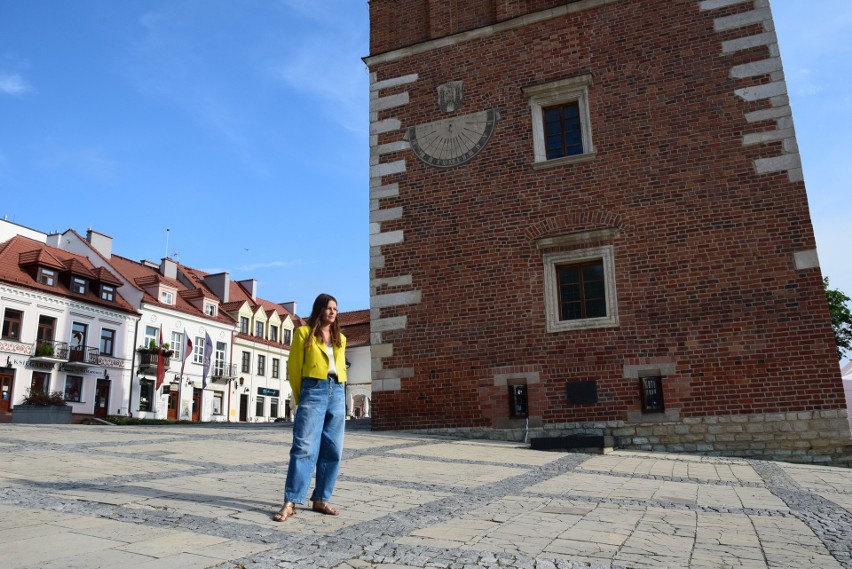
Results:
<point x="40" y="414"/>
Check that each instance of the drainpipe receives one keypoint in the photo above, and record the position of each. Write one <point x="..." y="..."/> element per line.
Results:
<point x="133" y="369"/>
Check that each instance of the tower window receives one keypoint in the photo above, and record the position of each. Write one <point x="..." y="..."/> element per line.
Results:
<point x="651" y="391"/>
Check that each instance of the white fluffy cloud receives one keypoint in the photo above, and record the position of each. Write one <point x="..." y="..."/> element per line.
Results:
<point x="13" y="84"/>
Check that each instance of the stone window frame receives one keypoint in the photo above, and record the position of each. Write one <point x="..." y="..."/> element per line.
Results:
<point x="574" y="89"/>
<point x="606" y="254"/>
<point x="663" y="370"/>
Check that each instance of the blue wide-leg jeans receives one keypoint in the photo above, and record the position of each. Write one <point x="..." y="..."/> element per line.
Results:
<point x="317" y="440"/>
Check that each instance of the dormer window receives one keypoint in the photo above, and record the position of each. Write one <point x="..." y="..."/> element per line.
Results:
<point x="244" y="325"/>
<point x="108" y="292"/>
<point x="46" y="276"/>
<point x="273" y="333"/>
<point x="167" y="297"/>
<point x="79" y="285"/>
<point x="258" y="329"/>
<point x="209" y="309"/>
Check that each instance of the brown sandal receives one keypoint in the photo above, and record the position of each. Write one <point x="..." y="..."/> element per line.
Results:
<point x="324" y="508"/>
<point x="288" y="510"/>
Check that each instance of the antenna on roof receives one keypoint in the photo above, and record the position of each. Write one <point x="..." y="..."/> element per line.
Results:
<point x="167" y="241"/>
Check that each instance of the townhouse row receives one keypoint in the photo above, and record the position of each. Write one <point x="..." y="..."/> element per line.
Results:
<point x="87" y="323"/>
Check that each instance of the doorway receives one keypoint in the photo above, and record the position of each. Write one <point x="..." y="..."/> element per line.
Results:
<point x="196" y="405"/>
<point x="171" y="412"/>
<point x="244" y="407"/>
<point x="7" y="384"/>
<point x="102" y="398"/>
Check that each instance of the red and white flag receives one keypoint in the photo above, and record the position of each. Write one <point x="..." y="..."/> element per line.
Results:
<point x="186" y="349"/>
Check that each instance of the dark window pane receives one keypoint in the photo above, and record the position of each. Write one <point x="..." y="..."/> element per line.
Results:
<point x="593" y="290"/>
<point x="593" y="271"/>
<point x="563" y="132"/>
<point x="569" y="274"/>
<point x="553" y="128"/>
<point x="571" y="311"/>
<point x="582" y="290"/>
<point x="551" y="114"/>
<point x="570" y="293"/>
<point x="596" y="309"/>
<point x="554" y="141"/>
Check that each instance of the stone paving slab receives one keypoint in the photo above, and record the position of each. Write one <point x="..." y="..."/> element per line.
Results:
<point x="198" y="496"/>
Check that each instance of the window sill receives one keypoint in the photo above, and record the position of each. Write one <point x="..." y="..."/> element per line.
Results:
<point x="564" y="161"/>
<point x="582" y="324"/>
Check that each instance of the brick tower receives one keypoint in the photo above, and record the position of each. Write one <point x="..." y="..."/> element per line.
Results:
<point x="589" y="217"/>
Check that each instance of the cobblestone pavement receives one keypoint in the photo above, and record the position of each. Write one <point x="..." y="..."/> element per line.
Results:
<point x="203" y="496"/>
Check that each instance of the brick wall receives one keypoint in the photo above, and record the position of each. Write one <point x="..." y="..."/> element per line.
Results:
<point x="696" y="185"/>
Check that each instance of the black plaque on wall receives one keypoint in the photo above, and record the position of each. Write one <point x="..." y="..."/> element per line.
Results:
<point x="585" y="391"/>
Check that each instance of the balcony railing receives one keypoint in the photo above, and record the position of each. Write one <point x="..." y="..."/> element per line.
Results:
<point x="84" y="356"/>
<point x="220" y="369"/>
<point x="148" y="361"/>
<point x="50" y="351"/>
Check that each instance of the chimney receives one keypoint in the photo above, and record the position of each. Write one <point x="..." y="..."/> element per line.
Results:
<point x="251" y="286"/>
<point x="220" y="284"/>
<point x="168" y="268"/>
<point x="100" y="242"/>
<point x="290" y="306"/>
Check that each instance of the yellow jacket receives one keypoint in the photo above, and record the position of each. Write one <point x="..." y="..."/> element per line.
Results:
<point x="312" y="361"/>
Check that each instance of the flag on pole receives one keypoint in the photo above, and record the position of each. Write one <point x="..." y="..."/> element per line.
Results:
<point x="208" y="355"/>
<point x="186" y="349"/>
<point x="161" y="363"/>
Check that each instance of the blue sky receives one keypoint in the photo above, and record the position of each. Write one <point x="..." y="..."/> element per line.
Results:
<point x="242" y="129"/>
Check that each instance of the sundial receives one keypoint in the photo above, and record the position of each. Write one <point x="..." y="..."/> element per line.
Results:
<point x="452" y="141"/>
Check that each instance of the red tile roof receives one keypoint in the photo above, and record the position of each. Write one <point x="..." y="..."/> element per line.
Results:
<point x="144" y="276"/>
<point x="103" y="275"/>
<point x="355" y="325"/>
<point x="40" y="257"/>
<point x="75" y="267"/>
<point x="20" y="255"/>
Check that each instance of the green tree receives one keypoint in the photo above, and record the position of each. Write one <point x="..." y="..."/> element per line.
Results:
<point x="841" y="318"/>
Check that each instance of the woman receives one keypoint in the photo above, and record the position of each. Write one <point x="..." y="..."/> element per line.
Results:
<point x="317" y="370"/>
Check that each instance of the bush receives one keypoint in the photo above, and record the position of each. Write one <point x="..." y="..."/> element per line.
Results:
<point x="44" y="350"/>
<point x="39" y="398"/>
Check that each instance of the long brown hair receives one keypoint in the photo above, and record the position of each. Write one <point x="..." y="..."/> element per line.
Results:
<point x="315" y="319"/>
